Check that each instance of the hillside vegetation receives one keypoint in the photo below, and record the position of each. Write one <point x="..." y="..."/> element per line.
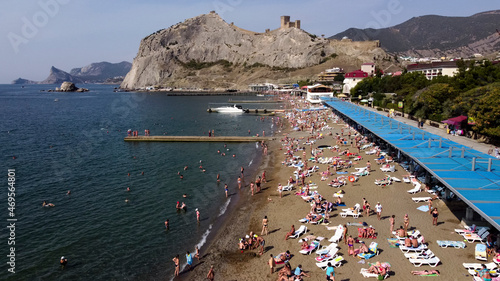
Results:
<point x="436" y="36"/>
<point x="474" y="91"/>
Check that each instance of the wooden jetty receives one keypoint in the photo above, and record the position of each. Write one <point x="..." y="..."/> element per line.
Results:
<point x="196" y="139"/>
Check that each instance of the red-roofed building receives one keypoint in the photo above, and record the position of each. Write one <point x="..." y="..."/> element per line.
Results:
<point x="351" y="79"/>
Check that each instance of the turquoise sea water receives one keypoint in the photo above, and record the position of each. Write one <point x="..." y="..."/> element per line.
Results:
<point x="77" y="144"/>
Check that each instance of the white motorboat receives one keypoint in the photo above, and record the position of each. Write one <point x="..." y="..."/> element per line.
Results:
<point x="228" y="109"/>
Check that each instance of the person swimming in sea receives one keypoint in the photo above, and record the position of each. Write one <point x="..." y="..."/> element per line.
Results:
<point x="63" y="262"/>
<point x="180" y="206"/>
<point x="45" y="204"/>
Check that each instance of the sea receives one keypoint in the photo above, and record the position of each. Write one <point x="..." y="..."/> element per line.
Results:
<point x="53" y="142"/>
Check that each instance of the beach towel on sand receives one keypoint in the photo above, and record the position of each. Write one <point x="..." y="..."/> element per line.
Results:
<point x="341" y="173"/>
<point x="393" y="242"/>
<point x="423" y="208"/>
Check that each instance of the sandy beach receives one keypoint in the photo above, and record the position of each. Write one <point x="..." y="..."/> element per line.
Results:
<point x="231" y="264"/>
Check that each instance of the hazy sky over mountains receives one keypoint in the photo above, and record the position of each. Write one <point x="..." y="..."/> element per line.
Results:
<point x="73" y="33"/>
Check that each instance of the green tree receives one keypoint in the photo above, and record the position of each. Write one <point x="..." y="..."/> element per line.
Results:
<point x="429" y="104"/>
<point x="483" y="105"/>
<point x="339" y="78"/>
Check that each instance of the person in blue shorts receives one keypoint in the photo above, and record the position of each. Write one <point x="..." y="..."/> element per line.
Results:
<point x="189" y="260"/>
<point x="330" y="272"/>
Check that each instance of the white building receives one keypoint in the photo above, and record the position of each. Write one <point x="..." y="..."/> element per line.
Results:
<point x="315" y="92"/>
<point x="435" y="69"/>
<point x="351" y="79"/>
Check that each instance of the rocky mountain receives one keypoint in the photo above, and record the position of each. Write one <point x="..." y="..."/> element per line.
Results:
<point x="101" y="72"/>
<point x="437" y="36"/>
<point x="207" y="52"/>
<point x="21" y="81"/>
<point x="58" y="76"/>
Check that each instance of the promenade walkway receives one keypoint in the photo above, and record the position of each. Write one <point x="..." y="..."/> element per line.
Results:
<point x="474" y="144"/>
<point x="460" y="164"/>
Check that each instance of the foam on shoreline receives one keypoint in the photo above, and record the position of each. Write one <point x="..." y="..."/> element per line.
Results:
<point x="230" y="205"/>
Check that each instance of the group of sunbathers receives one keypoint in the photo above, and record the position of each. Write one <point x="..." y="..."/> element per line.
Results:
<point x="367" y="232"/>
<point x="338" y="182"/>
<point x="287" y="274"/>
<point x="251" y="242"/>
<point x="379" y="268"/>
<point x="411" y="242"/>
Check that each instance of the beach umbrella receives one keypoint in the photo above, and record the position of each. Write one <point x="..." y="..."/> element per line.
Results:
<point x="455" y="120"/>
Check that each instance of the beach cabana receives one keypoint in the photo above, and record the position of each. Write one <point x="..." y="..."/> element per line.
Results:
<point x="458" y="121"/>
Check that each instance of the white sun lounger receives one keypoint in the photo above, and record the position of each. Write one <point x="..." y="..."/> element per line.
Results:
<point x="312" y="247"/>
<point x="338" y="234"/>
<point x="366" y="146"/>
<point x="336" y="262"/>
<point x="406" y="179"/>
<point x="287" y="187"/>
<point x="472" y="229"/>
<point x="349" y="212"/>
<point x="356" y="207"/>
<point x="433" y="262"/>
<point x="366" y="274"/>
<point x="302" y="229"/>
<point x="395" y="179"/>
<point x="493" y="272"/>
<point x="419" y="249"/>
<point x="415" y="189"/>
<point x="424" y="255"/>
<point x="389" y="169"/>
<point x="420" y="199"/>
<point x="476" y="265"/>
<point x="479" y="237"/>
<point x="325" y="249"/>
<point x="454" y="244"/>
<point x="330" y="255"/>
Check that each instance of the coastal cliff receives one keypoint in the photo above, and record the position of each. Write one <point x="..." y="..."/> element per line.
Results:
<point x="207" y="52"/>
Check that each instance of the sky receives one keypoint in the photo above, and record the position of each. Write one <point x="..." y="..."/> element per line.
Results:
<point x="38" y="34"/>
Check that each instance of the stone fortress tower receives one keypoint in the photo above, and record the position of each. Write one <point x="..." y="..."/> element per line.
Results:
<point x="286" y="23"/>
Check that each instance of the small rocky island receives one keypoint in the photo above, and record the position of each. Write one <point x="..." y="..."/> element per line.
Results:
<point x="69" y="87"/>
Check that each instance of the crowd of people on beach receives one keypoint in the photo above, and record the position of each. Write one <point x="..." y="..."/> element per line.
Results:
<point x="303" y="156"/>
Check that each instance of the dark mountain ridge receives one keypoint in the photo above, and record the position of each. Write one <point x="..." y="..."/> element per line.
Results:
<point x="462" y="36"/>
